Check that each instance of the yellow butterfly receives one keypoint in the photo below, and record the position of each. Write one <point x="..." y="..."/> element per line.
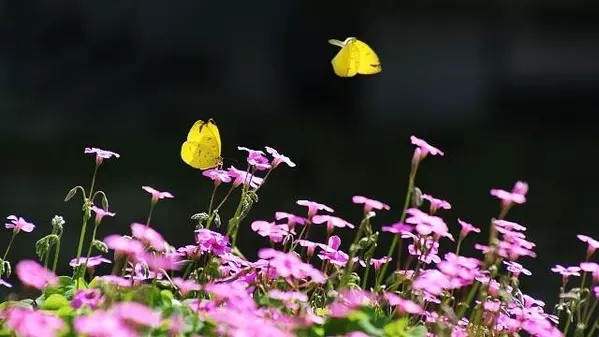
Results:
<point x="355" y="57"/>
<point x="203" y="146"/>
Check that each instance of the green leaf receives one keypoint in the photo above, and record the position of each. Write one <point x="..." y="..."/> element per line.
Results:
<point x="55" y="302"/>
<point x="65" y="311"/>
<point x="417" y="331"/>
<point x="396" y="328"/>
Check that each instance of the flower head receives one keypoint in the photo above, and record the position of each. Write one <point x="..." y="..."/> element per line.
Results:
<point x="157" y="194"/>
<point x="422" y="150"/>
<point x="101" y="213"/>
<point x="212" y="242"/>
<point x="369" y="204"/>
<point x="593" y="244"/>
<point x="218" y="176"/>
<point x="27" y="322"/>
<point x="290" y="265"/>
<point x="516" y="196"/>
<point x="275" y="232"/>
<point x="256" y="158"/>
<point x="278" y="158"/>
<point x="34" y="275"/>
<point x="91" y="298"/>
<point x="467" y="228"/>
<point x="149" y="236"/>
<point x="314" y="207"/>
<point x="436" y="204"/>
<point x="92" y="262"/>
<point x="124" y="245"/>
<point x="185" y="286"/>
<point x="242" y="177"/>
<point x="331" y="221"/>
<point x="19" y="224"/>
<point x="101" y="154"/>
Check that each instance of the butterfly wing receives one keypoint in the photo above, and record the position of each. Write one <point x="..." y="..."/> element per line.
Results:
<point x="203" y="146"/>
<point x="344" y="63"/>
<point x="369" y="62"/>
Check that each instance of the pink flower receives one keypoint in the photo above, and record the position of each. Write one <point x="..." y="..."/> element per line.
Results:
<point x="256" y="158"/>
<point x="425" y="147"/>
<point x="124" y="245"/>
<point x="185" y="286"/>
<point x="218" y="176"/>
<point x="431" y="281"/>
<point x="516" y="196"/>
<point x="467" y="228"/>
<point x="403" y="305"/>
<point x="369" y="204"/>
<point x="91" y="298"/>
<point x="119" y="281"/>
<point x="278" y="158"/>
<point x="591" y="267"/>
<point x="242" y="177"/>
<point x="159" y="262"/>
<point x="92" y="262"/>
<point x="100" y="323"/>
<point x="275" y="232"/>
<point x="516" y="269"/>
<point x="19" y="224"/>
<point x="428" y="224"/>
<point x="212" y="242"/>
<point x="596" y="291"/>
<point x="566" y="272"/>
<point x="292" y="219"/>
<point x="461" y="271"/>
<point x="136" y="313"/>
<point x="397" y="228"/>
<point x="157" y="194"/>
<point x="288" y="264"/>
<point x="314" y="207"/>
<point x="593" y="244"/>
<point x="26" y="322"/>
<point x="311" y="246"/>
<point x="429" y="253"/>
<point x="101" y="213"/>
<point x="34" y="275"/>
<point x="101" y="154"/>
<point x="377" y="263"/>
<point x="288" y="296"/>
<point x="436" y="204"/>
<point x="331" y="221"/>
<point x="148" y="236"/>
<point x="348" y="300"/>
<point x="332" y="254"/>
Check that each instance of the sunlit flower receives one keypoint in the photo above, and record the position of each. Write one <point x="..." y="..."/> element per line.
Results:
<point x="18" y="224"/>
<point x="101" y="213"/>
<point x="157" y="194"/>
<point x="256" y="158"/>
<point x="369" y="204"/>
<point x="92" y="262"/>
<point x="314" y="207"/>
<point x="32" y="323"/>
<point x="436" y="204"/>
<point x="242" y="177"/>
<point x="101" y="154"/>
<point x="148" y="236"/>
<point x="331" y="221"/>
<point x="278" y="158"/>
<point x="467" y="228"/>
<point x="124" y="245"/>
<point x="217" y="175"/>
<point x="516" y="196"/>
<point x="34" y="275"/>
<point x="593" y="244"/>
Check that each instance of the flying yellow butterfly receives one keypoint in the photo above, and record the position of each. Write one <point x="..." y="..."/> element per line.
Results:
<point x="203" y="146"/>
<point x="355" y="57"/>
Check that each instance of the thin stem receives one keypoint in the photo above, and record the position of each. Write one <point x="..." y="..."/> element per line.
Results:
<point x="12" y="238"/>
<point x="402" y="218"/>
<point x="590" y="313"/>
<point x="591" y="334"/>
<point x="89" y="249"/>
<point x="87" y="211"/>
<point x="152" y="204"/>
<point x="47" y="256"/>
<point x="56" y="252"/>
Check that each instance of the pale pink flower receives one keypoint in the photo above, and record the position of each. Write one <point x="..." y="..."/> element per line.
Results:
<point x="566" y="272"/>
<point x="136" y="313"/>
<point x="92" y="262"/>
<point x="292" y="219"/>
<point x="593" y="244"/>
<point x="217" y="175"/>
<point x="288" y="296"/>
<point x="403" y="305"/>
<point x="331" y="221"/>
<point x="467" y="228"/>
<point x="91" y="298"/>
<point x="288" y="264"/>
<point x="100" y="323"/>
<point x="369" y="204"/>
<point x="516" y="196"/>
<point x="425" y="148"/>
<point x="436" y="204"/>
<point x="19" y="224"/>
<point x="427" y="224"/>
<point x="377" y="263"/>
<point x="516" y="269"/>
<point x="148" y="236"/>
<point x="242" y="177"/>
<point x="157" y="194"/>
<point x="276" y="233"/>
<point x="101" y="213"/>
<point x="397" y="228"/>
<point x="34" y="275"/>
<point x="278" y="158"/>
<point x="331" y="253"/>
<point x="185" y="286"/>
<point x="314" y="207"/>
<point x="101" y="154"/>
<point x="310" y="246"/>
<point x="26" y="322"/>
<point x="212" y="242"/>
<point x="124" y="245"/>
<point x="256" y="158"/>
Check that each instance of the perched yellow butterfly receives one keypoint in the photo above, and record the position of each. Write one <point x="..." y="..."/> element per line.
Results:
<point x="355" y="57"/>
<point x="203" y="146"/>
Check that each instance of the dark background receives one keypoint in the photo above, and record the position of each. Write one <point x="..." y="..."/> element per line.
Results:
<point x="505" y="88"/>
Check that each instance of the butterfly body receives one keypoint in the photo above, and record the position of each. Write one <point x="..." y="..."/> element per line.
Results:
<point x="355" y="57"/>
<point x="202" y="148"/>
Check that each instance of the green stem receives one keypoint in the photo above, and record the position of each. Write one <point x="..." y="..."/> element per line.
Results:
<point x="56" y="252"/>
<point x="47" y="256"/>
<point x="152" y="204"/>
<point x="353" y="249"/>
<point x="12" y="238"/>
<point x="397" y="237"/>
<point x="87" y="211"/>
<point x="590" y="313"/>
<point x="591" y="334"/>
<point x="89" y="249"/>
